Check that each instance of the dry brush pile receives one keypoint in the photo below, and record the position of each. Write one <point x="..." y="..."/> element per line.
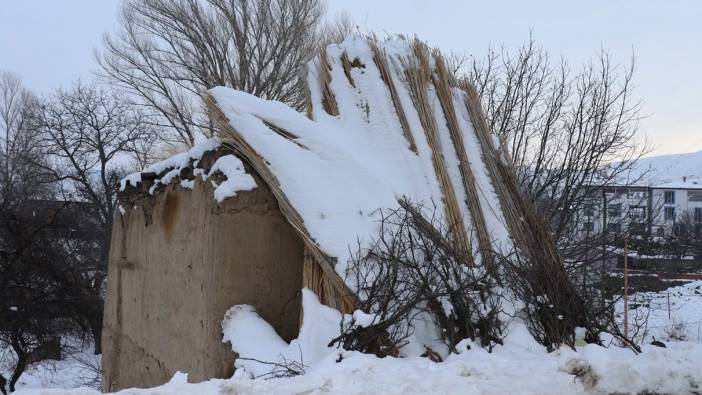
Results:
<point x="415" y="271"/>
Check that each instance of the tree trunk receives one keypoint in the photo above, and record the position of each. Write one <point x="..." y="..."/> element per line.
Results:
<point x="3" y="382"/>
<point x="96" y="331"/>
<point x="19" y="369"/>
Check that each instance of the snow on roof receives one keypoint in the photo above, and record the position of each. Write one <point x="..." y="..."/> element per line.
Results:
<point x="680" y="184"/>
<point x="170" y="169"/>
<point x="670" y="184"/>
<point x="375" y="147"/>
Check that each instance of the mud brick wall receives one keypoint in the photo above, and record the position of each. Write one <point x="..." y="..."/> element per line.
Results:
<point x="177" y="262"/>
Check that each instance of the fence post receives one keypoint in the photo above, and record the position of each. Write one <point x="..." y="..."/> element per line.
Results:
<point x="626" y="287"/>
<point x="669" y="305"/>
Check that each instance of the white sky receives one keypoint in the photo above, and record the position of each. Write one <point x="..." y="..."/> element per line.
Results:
<point x="50" y="43"/>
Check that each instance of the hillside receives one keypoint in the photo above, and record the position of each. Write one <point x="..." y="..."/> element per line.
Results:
<point x="668" y="169"/>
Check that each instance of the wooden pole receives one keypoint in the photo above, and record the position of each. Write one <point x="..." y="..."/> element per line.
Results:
<point x="626" y="287"/>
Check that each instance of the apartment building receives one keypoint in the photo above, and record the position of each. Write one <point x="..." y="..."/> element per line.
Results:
<point x="658" y="210"/>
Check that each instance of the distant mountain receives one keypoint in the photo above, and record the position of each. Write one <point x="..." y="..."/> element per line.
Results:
<point x="677" y="170"/>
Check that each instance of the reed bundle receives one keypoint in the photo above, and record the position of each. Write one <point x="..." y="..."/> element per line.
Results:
<point x="328" y="98"/>
<point x="418" y="76"/>
<point x="442" y="82"/>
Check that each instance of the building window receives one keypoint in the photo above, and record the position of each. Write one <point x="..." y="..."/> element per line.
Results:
<point x="660" y="231"/>
<point x="615" y="191"/>
<point x="698" y="214"/>
<point x="637" y="213"/>
<point x="669" y="213"/>
<point x="669" y="197"/>
<point x="694" y="196"/>
<point x="588" y="227"/>
<point x="614" y="210"/>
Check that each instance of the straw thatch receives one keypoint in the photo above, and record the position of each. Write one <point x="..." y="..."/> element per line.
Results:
<point x="442" y="83"/>
<point x="419" y="74"/>
<point x="329" y="101"/>
<point x="435" y="99"/>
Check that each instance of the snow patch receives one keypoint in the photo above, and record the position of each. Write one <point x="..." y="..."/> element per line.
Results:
<point x="237" y="179"/>
<point x="176" y="162"/>
<point x="228" y="165"/>
<point x="259" y="347"/>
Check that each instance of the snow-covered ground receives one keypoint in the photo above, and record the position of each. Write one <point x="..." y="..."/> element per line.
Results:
<point x="520" y="366"/>
<point x="79" y="369"/>
<point x="673" y="314"/>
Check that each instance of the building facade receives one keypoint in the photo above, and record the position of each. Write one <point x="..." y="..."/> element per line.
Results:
<point x="657" y="210"/>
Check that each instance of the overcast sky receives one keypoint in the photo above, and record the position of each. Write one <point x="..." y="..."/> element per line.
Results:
<point x="49" y="43"/>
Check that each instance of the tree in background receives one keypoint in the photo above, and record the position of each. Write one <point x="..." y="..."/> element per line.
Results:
<point x="92" y="136"/>
<point x="37" y="280"/>
<point x="61" y="160"/>
<point x="19" y="134"/>
<point x="684" y="240"/>
<point x="564" y="129"/>
<point x="32" y="307"/>
<point x="167" y="52"/>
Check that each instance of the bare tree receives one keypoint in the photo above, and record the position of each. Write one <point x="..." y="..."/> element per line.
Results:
<point x="19" y="134"/>
<point x="60" y="162"/>
<point x="339" y="28"/>
<point x="167" y="52"/>
<point x="565" y="130"/>
<point x="91" y="137"/>
<point x="30" y="257"/>
<point x="34" y="309"/>
<point x="684" y="239"/>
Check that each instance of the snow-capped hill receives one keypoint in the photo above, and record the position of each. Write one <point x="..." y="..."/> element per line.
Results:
<point x="669" y="169"/>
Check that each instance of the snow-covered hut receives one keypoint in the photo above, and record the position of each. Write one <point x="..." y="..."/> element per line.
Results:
<point x="280" y="200"/>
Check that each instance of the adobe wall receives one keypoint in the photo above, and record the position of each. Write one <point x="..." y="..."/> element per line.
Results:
<point x="177" y="264"/>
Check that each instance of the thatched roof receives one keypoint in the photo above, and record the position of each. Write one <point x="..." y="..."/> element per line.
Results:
<point x="385" y="121"/>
